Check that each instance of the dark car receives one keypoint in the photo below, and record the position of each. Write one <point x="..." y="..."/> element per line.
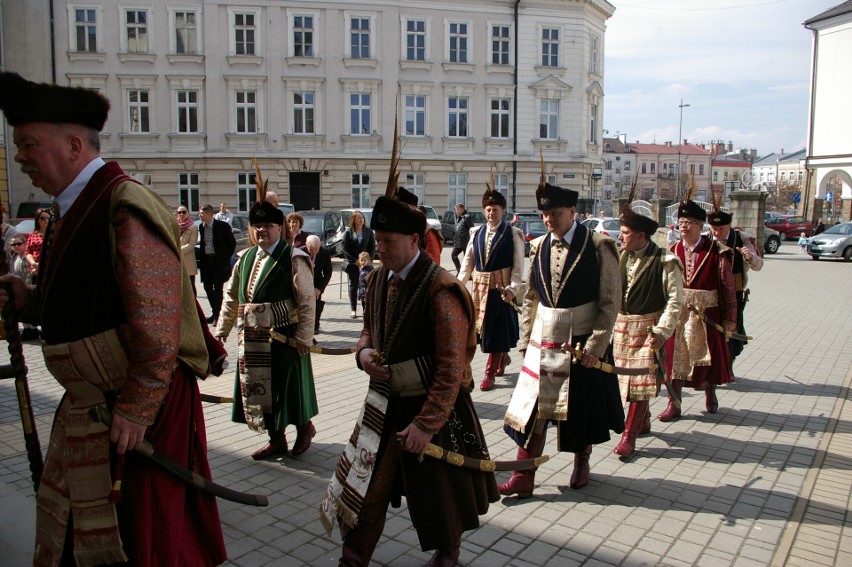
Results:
<point x="771" y="240"/>
<point x="448" y="223"/>
<point x="240" y="228"/>
<point x="790" y="226"/>
<point x="531" y="229"/>
<point x="328" y="225"/>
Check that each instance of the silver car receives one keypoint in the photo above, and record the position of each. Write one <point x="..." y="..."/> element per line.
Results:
<point x="836" y="242"/>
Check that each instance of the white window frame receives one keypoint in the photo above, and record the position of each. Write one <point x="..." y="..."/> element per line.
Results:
<point x="72" y="27"/>
<point x="458" y="116"/>
<point x="243" y="84"/>
<point x="594" y="120"/>
<point x="501" y="184"/>
<point x="502" y="115"/>
<point x="192" y="109"/>
<point x="246" y="187"/>
<point x="189" y="190"/>
<point x="360" y="108"/>
<point x="173" y="27"/>
<point x="297" y="85"/>
<point x="245" y="111"/>
<point x="291" y="25"/>
<point x="232" y="31"/>
<point x="551" y="114"/>
<point x="425" y="35"/>
<point x="143" y="107"/>
<point x="550" y="42"/>
<point x="372" y="35"/>
<point x="302" y="126"/>
<point x="501" y="40"/>
<point x="594" y="54"/>
<point x="370" y="87"/>
<point x="468" y="37"/>
<point x="415" y="110"/>
<point x="361" y="182"/>
<point x="139" y="83"/>
<point x="124" y="26"/>
<point x="456" y="189"/>
<point x="416" y="183"/>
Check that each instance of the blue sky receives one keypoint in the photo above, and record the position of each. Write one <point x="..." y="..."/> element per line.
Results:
<point x="743" y="66"/>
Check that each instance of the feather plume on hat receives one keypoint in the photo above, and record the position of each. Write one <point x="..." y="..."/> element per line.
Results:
<point x="492" y="196"/>
<point x="262" y="210"/>
<point x="633" y="220"/>
<point x="393" y="173"/>
<point x="261" y="184"/>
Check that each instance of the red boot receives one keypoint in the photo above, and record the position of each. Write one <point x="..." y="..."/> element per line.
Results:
<point x="505" y="360"/>
<point x="646" y="421"/>
<point x="580" y="474"/>
<point x="710" y="400"/>
<point x="523" y="482"/>
<point x="277" y="446"/>
<point x="672" y="411"/>
<point x="490" y="372"/>
<point x="304" y="434"/>
<point x="635" y="415"/>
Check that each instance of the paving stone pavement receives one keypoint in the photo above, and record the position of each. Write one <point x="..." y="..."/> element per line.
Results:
<point x="765" y="481"/>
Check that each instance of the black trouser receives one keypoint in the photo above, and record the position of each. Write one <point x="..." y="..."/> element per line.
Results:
<point x="353" y="272"/>
<point x="735" y="347"/>
<point x="455" y="256"/>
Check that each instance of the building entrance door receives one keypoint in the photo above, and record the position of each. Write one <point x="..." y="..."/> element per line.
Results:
<point x="305" y="190"/>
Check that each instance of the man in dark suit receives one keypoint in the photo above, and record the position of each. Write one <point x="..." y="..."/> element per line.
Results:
<point x="217" y="247"/>
<point x="321" y="257"/>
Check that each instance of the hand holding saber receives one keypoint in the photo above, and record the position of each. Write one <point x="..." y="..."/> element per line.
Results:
<point x="577" y="354"/>
<point x="511" y="302"/>
<point x="661" y="370"/>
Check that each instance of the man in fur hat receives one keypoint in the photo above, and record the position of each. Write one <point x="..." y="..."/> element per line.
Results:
<point x="652" y="285"/>
<point x="572" y="301"/>
<point x="746" y="257"/>
<point x="495" y="260"/>
<point x="272" y="290"/>
<point x="127" y="337"/>
<point x="416" y="346"/>
<point x="696" y="354"/>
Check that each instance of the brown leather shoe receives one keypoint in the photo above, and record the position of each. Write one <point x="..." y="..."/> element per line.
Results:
<point x="444" y="558"/>
<point x="304" y="434"/>
<point x="580" y="475"/>
<point x="277" y="446"/>
<point x="710" y="400"/>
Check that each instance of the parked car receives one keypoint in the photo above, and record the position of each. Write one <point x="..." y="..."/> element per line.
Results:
<point x="432" y="217"/>
<point x="28" y="209"/>
<point x="286" y="208"/>
<point x="608" y="226"/>
<point x="515" y="217"/>
<point x="347" y="215"/>
<point x="240" y="228"/>
<point x="836" y="242"/>
<point x="448" y="223"/>
<point x="531" y="229"/>
<point x="771" y="240"/>
<point x="328" y="225"/>
<point x="790" y="226"/>
<point x="22" y="226"/>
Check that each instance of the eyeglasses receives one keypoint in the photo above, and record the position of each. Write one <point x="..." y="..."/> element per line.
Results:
<point x="44" y="218"/>
<point x="181" y="212"/>
<point x="17" y="244"/>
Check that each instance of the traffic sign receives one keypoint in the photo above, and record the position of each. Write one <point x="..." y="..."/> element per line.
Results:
<point x="829" y="196"/>
<point x="797" y="197"/>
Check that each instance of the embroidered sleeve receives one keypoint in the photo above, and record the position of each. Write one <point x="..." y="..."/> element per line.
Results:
<point x="727" y="293"/>
<point x="467" y="261"/>
<point x="303" y="289"/>
<point x="451" y="330"/>
<point x="517" y="260"/>
<point x="609" y="299"/>
<point x="530" y="303"/>
<point x="230" y="302"/>
<point x="673" y="288"/>
<point x="145" y="266"/>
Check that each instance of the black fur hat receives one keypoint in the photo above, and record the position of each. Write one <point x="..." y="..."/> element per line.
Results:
<point x="635" y="221"/>
<point x="690" y="209"/>
<point x="549" y="196"/>
<point x="24" y="101"/>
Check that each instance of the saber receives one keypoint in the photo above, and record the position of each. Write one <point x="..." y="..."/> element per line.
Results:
<point x="717" y="326"/>
<point x="485" y="465"/>
<point x="146" y="449"/>
<point x="662" y="372"/>
<point x="216" y="399"/>
<point x="577" y="355"/>
<point x="316" y="349"/>
<point x="512" y="303"/>
<point x="18" y="370"/>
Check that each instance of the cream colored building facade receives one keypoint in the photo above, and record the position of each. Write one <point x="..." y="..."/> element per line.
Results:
<point x="312" y="90"/>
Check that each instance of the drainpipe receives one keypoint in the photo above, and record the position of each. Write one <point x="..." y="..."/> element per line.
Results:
<point x="52" y="43"/>
<point x="515" y="117"/>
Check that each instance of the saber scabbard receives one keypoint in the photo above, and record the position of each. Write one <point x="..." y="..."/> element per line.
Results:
<point x="316" y="349"/>
<point x="146" y="449"/>
<point x="18" y="370"/>
<point x="717" y="326"/>
<point x="661" y="372"/>
<point x="577" y="354"/>
<point x="216" y="399"/>
<point x="485" y="465"/>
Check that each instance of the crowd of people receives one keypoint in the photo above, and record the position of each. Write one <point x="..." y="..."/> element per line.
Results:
<point x="596" y="329"/>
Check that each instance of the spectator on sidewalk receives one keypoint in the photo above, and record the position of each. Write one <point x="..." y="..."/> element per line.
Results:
<point x="224" y="214"/>
<point x="321" y="258"/>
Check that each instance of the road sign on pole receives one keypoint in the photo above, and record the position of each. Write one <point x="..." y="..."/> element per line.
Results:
<point x="797" y="197"/>
<point x="829" y="196"/>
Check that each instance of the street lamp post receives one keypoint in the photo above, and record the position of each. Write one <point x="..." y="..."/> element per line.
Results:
<point x="679" y="144"/>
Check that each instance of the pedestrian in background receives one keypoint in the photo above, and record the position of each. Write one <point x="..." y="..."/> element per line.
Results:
<point x="358" y="238"/>
<point x="35" y="241"/>
<point x="224" y="214"/>
<point x="803" y="243"/>
<point x="217" y="246"/>
<point x="365" y="266"/>
<point x="7" y="231"/>
<point x="321" y="259"/>
<point x="188" y="240"/>
<point x="462" y="236"/>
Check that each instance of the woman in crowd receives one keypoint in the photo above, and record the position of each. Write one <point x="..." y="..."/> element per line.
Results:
<point x="295" y="222"/>
<point x="18" y="266"/>
<point x="35" y="241"/>
<point x="188" y="239"/>
<point x="357" y="238"/>
<point x="7" y="231"/>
